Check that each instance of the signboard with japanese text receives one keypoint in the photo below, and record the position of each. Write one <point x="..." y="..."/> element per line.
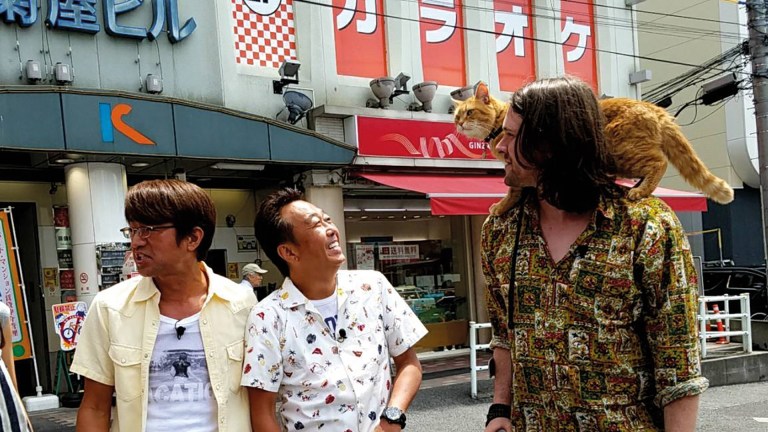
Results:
<point x="515" y="52"/>
<point x="67" y="320"/>
<point x="360" y="38"/>
<point x="81" y="16"/>
<point x="265" y="33"/>
<point x="398" y="252"/>
<point x="10" y="289"/>
<point x="442" y="41"/>
<point x="577" y="21"/>
<point x="416" y="139"/>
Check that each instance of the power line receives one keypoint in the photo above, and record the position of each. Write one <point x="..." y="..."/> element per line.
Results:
<point x="490" y="32"/>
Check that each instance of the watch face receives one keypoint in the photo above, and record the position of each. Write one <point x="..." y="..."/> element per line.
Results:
<point x="393" y="413"/>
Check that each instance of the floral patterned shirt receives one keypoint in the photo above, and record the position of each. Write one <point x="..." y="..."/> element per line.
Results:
<point x="338" y="382"/>
<point x="606" y="337"/>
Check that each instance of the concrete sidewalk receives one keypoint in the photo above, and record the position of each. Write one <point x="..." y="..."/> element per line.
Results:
<point x="63" y="419"/>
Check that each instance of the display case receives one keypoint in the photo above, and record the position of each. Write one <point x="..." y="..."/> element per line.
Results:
<point x="109" y="263"/>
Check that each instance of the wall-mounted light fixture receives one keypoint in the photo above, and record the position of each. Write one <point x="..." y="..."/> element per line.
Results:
<point x="289" y="74"/>
<point x="297" y="104"/>
<point x="463" y="93"/>
<point x="424" y="92"/>
<point x="382" y="88"/>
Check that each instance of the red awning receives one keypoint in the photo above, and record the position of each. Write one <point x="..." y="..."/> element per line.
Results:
<point x="473" y="195"/>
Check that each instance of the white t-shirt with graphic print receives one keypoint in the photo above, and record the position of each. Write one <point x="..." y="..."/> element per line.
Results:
<point x="180" y="393"/>
<point x="329" y="309"/>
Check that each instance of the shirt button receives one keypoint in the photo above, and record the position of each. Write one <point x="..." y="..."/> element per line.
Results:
<point x="146" y="355"/>
<point x="122" y="361"/>
<point x="218" y="386"/>
<point x="210" y="353"/>
<point x="205" y="322"/>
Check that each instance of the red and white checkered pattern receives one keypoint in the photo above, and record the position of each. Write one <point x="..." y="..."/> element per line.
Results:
<point x="264" y="41"/>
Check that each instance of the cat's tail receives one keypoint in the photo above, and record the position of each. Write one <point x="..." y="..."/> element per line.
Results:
<point x="681" y="154"/>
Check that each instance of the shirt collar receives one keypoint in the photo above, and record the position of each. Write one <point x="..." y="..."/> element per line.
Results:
<point x="290" y="296"/>
<point x="147" y="289"/>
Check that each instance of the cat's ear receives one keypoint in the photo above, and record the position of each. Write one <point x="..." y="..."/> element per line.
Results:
<point x="481" y="93"/>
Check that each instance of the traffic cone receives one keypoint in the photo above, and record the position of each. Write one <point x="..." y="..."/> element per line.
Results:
<point x="720" y="328"/>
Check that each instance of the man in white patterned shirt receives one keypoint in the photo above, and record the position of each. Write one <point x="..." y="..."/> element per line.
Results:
<point x="324" y="339"/>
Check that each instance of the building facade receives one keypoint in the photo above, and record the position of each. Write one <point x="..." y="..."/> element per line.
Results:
<point x="242" y="97"/>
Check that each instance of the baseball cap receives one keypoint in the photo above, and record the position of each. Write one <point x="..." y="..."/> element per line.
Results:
<point x="253" y="268"/>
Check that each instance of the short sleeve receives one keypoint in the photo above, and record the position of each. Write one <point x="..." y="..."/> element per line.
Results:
<point x="668" y="278"/>
<point x="92" y="356"/>
<point x="402" y="327"/>
<point x="263" y="363"/>
<point x="494" y="296"/>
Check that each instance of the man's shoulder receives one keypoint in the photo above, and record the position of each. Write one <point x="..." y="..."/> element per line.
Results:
<point x="648" y="209"/>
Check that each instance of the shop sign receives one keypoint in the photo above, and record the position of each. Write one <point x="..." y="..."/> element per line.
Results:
<point x="265" y="33"/>
<point x="360" y="38"/>
<point x="81" y="16"/>
<point x="515" y="54"/>
<point x="67" y="320"/>
<point x="442" y="41"/>
<point x="416" y="139"/>
<point x="577" y="22"/>
<point x="398" y="252"/>
<point x="10" y="290"/>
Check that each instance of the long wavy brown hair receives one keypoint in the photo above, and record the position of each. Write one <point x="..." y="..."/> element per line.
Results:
<point x="561" y="136"/>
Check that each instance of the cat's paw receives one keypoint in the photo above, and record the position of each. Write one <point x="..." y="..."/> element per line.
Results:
<point x="496" y="209"/>
<point x="636" y="194"/>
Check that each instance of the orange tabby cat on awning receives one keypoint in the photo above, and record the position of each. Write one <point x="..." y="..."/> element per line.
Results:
<point x="642" y="138"/>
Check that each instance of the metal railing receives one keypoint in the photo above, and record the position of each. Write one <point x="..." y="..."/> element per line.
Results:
<point x="474" y="347"/>
<point x="705" y="316"/>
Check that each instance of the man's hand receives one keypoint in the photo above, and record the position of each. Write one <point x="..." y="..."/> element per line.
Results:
<point x="385" y="426"/>
<point x="499" y="424"/>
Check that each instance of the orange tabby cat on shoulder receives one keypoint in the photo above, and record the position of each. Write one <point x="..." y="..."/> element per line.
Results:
<point x="642" y="138"/>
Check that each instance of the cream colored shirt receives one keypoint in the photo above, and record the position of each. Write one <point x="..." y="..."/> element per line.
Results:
<point x="118" y="336"/>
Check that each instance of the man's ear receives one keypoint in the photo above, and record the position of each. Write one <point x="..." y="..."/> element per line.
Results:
<point x="194" y="238"/>
<point x="287" y="252"/>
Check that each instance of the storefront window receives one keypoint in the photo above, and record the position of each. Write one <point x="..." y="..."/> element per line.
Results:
<point x="429" y="273"/>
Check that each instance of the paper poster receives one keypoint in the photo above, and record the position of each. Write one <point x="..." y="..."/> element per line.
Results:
<point x="67" y="319"/>
<point x="10" y="290"/>
<point x="364" y="257"/>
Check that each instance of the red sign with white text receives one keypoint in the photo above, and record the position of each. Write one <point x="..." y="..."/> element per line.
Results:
<point x="442" y="43"/>
<point x="360" y="38"/>
<point x="514" y="43"/>
<point x="416" y="139"/>
<point x="577" y="20"/>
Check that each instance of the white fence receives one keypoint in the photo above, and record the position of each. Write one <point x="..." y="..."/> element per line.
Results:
<point x="707" y="316"/>
<point x="474" y="347"/>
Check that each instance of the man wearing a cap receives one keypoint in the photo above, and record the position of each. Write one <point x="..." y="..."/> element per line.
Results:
<point x="252" y="278"/>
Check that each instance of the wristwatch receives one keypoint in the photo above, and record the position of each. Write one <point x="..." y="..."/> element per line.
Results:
<point x="394" y="415"/>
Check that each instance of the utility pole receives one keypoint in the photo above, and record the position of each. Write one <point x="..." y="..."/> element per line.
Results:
<point x="758" y="50"/>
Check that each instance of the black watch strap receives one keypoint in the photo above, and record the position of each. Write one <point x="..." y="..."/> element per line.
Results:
<point x="394" y="415"/>
<point x="498" y="410"/>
